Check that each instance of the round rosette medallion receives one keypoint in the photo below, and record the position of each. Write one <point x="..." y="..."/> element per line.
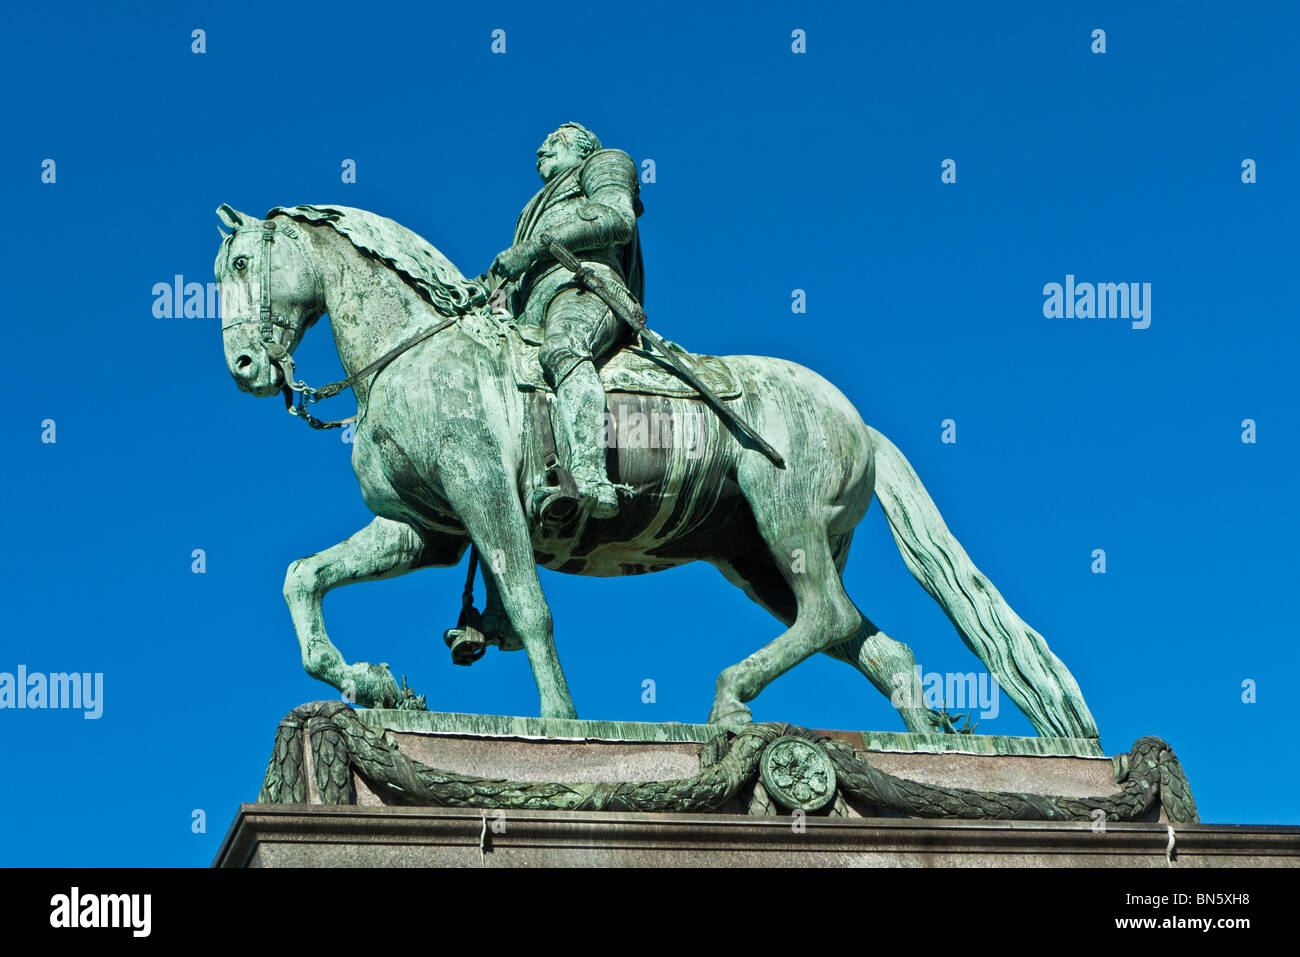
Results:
<point x="798" y="774"/>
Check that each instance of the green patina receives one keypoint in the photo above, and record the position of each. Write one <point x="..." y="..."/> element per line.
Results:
<point x="577" y="729"/>
<point x="450" y="451"/>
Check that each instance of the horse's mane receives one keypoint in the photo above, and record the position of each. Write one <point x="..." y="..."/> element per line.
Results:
<point x="428" y="271"/>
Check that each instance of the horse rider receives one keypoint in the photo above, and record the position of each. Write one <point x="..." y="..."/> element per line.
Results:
<point x="589" y="202"/>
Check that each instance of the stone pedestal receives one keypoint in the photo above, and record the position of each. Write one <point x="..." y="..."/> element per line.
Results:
<point x="317" y="836"/>
<point x="371" y="834"/>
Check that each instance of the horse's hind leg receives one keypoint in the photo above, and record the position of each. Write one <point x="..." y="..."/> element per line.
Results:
<point x="823" y="613"/>
<point x="887" y="663"/>
<point x="383" y="549"/>
<point x="891" y="667"/>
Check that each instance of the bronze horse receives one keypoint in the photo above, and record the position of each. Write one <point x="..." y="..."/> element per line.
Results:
<point x="441" y="444"/>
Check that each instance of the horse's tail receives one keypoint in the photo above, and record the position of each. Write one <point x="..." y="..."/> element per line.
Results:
<point x="1015" y="654"/>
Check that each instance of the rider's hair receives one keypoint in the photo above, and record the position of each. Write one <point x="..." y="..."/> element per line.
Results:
<point x="583" y="140"/>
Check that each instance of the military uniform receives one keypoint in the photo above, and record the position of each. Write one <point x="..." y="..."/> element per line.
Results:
<point x="591" y="208"/>
<point x="585" y="208"/>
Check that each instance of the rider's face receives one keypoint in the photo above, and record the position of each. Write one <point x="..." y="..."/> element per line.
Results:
<point x="555" y="155"/>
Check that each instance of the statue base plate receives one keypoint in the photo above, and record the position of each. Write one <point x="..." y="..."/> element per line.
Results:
<point x="317" y="836"/>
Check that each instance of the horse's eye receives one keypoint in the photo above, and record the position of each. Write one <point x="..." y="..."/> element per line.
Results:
<point x="241" y="263"/>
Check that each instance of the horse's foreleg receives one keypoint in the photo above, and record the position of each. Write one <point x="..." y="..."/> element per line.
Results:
<point x="489" y="509"/>
<point x="383" y="549"/>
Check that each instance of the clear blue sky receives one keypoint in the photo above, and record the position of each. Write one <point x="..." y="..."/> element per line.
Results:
<point x="775" y="171"/>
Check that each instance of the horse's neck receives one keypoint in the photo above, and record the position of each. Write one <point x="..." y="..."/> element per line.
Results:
<point x="371" y="308"/>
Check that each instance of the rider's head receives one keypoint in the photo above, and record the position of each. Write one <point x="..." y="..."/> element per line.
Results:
<point x="564" y="149"/>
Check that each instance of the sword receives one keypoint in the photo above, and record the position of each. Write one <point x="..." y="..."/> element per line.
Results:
<point x="627" y="309"/>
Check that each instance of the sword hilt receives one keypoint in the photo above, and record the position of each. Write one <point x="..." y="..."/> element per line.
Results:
<point x="631" y="311"/>
<point x="560" y="252"/>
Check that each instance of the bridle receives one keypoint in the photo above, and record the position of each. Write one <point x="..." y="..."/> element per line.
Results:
<point x="278" y="353"/>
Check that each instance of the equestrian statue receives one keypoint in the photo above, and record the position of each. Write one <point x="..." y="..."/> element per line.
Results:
<point x="528" y="415"/>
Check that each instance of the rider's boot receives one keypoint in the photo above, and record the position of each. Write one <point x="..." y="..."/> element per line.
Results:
<point x="580" y="400"/>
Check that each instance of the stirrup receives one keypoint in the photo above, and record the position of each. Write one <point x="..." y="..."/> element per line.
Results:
<point x="563" y="505"/>
<point x="467" y="644"/>
<point x="467" y="641"/>
<point x="558" y="507"/>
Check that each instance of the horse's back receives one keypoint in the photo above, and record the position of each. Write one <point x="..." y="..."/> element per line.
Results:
<point x="830" y="463"/>
<point x="799" y="407"/>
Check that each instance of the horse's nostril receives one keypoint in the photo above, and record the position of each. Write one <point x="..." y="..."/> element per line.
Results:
<point x="243" y="362"/>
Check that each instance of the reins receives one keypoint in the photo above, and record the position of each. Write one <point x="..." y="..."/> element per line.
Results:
<point x="307" y="394"/>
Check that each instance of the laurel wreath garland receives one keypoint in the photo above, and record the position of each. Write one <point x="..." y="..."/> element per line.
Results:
<point x="777" y="764"/>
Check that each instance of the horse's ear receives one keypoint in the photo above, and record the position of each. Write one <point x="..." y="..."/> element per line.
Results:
<point x="230" y="216"/>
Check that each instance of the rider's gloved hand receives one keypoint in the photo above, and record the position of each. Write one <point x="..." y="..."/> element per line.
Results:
<point x="513" y="262"/>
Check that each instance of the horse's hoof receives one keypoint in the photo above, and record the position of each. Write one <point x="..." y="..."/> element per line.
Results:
<point x="734" y="714"/>
<point x="568" y="714"/>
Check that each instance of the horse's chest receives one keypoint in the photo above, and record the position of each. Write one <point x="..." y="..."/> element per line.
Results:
<point x="395" y="486"/>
